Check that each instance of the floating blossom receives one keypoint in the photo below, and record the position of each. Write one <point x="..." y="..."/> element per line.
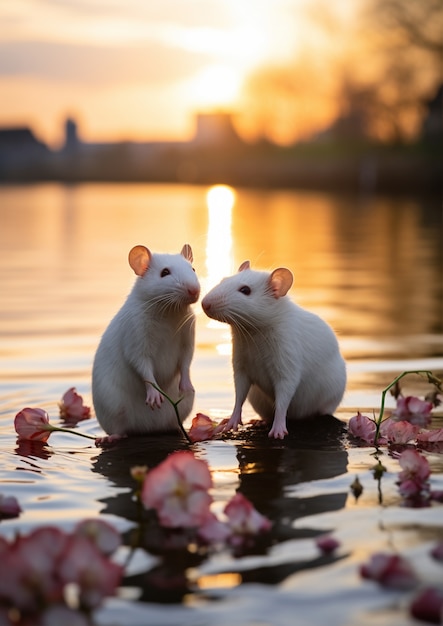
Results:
<point x="389" y="570"/>
<point x="213" y="530"/>
<point x="430" y="436"/>
<point x="362" y="427"/>
<point x="96" y="576"/>
<point x="42" y="564"/>
<point x="413" y="480"/>
<point x="243" y="519"/>
<point x="203" y="428"/>
<point x="178" y="491"/>
<point x="104" y="536"/>
<point x="428" y="605"/>
<point x="9" y="507"/>
<point x="413" y="410"/>
<point x="399" y="433"/>
<point x="327" y="544"/>
<point x="72" y="407"/>
<point x="33" y="424"/>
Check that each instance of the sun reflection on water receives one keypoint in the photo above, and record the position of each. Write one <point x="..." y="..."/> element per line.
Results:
<point x="220" y="201"/>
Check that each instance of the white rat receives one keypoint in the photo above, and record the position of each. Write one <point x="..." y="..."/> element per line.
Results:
<point x="286" y="360"/>
<point x="150" y="340"/>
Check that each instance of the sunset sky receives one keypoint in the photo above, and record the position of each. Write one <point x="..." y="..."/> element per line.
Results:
<point x="141" y="69"/>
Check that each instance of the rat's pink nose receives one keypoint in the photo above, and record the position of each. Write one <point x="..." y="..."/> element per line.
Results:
<point x="194" y="293"/>
<point x="206" y="305"/>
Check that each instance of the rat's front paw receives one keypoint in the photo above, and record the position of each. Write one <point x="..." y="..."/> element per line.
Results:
<point x="153" y="397"/>
<point x="232" y="424"/>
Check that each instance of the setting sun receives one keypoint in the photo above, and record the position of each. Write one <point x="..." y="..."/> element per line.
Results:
<point x="216" y="86"/>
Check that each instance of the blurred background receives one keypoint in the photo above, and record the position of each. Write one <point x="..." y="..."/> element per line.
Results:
<point x="304" y="93"/>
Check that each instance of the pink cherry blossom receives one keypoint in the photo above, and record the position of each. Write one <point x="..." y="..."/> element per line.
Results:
<point x="213" y="530"/>
<point x="72" y="407"/>
<point x="413" y="410"/>
<point x="362" y="427"/>
<point x="203" y="428"/>
<point x="31" y="565"/>
<point x="103" y="535"/>
<point x="430" y="436"/>
<point x="178" y="490"/>
<point x="389" y="570"/>
<point x="427" y="606"/>
<point x="414" y="466"/>
<point x="40" y="565"/>
<point x="243" y="519"/>
<point x="96" y="576"/>
<point x="413" y="480"/>
<point x="9" y="507"/>
<point x="32" y="424"/>
<point x="400" y="433"/>
<point x="327" y="544"/>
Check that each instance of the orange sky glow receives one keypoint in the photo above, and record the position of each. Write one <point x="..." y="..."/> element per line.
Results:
<point x="141" y="70"/>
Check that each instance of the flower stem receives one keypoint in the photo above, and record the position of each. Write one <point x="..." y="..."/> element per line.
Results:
<point x="175" y="406"/>
<point x="431" y="378"/>
<point x="72" y="432"/>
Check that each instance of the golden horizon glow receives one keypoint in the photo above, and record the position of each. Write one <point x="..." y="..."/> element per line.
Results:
<point x="139" y="72"/>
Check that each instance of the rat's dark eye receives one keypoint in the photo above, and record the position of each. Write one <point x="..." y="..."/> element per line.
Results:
<point x="165" y="272"/>
<point x="246" y="290"/>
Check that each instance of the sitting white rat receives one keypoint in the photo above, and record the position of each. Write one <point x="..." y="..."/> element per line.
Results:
<point x="286" y="360"/>
<point x="150" y="340"/>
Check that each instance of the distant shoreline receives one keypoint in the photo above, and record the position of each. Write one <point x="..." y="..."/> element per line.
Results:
<point x="335" y="167"/>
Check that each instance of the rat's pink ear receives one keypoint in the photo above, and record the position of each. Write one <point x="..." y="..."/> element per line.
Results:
<point x="187" y="252"/>
<point x="244" y="266"/>
<point x="139" y="258"/>
<point x="280" y="281"/>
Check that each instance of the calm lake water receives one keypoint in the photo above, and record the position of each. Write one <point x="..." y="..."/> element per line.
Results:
<point x="371" y="266"/>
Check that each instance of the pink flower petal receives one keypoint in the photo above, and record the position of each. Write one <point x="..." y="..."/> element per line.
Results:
<point x="400" y="432"/>
<point x="72" y="407"/>
<point x="414" y="466"/>
<point x="428" y="605"/>
<point x="413" y="410"/>
<point x="103" y="535"/>
<point x="96" y="576"/>
<point x="243" y="518"/>
<point x="362" y="427"/>
<point x="327" y="544"/>
<point x="389" y="570"/>
<point x="202" y="428"/>
<point x="9" y="507"/>
<point x="178" y="490"/>
<point x="32" y="424"/>
<point x="430" y="436"/>
<point x="213" y="530"/>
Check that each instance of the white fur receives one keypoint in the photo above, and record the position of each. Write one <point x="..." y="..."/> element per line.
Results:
<point x="150" y="339"/>
<point x="286" y="360"/>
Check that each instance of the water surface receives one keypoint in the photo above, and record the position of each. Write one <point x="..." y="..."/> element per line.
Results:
<point x="371" y="266"/>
